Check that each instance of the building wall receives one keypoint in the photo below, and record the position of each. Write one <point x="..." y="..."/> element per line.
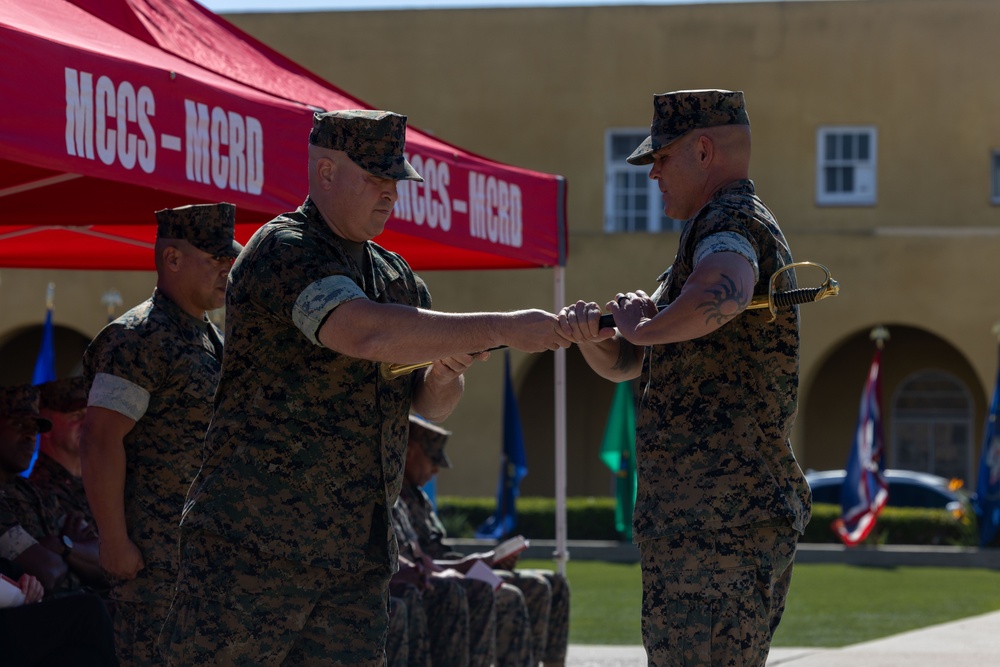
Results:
<point x="539" y="88"/>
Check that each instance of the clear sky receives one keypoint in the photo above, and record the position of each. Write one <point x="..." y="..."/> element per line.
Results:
<point x="223" y="6"/>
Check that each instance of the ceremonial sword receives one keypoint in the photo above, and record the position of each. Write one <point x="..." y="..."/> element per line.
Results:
<point x="773" y="300"/>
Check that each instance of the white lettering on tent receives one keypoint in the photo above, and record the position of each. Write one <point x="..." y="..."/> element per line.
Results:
<point x="105" y="115"/>
<point x="496" y="210"/>
<point x="224" y="148"/>
<point x="428" y="202"/>
<point x="79" y="114"/>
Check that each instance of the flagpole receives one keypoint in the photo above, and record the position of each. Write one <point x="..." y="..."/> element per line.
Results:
<point x="562" y="554"/>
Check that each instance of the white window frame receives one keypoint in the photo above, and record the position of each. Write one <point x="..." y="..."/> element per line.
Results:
<point x="614" y="166"/>
<point x="995" y="177"/>
<point x="864" y="172"/>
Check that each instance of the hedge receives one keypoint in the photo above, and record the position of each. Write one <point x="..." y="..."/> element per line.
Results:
<point x="594" y="519"/>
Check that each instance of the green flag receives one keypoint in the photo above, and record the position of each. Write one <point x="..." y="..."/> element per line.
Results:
<point x="618" y="453"/>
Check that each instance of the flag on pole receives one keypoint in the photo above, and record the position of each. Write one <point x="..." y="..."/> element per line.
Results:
<point x="618" y="454"/>
<point x="987" y="498"/>
<point x="865" y="490"/>
<point x="513" y="466"/>
<point x="45" y="364"/>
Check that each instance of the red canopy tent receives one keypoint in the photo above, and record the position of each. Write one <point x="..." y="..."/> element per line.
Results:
<point x="112" y="109"/>
<point x="115" y="108"/>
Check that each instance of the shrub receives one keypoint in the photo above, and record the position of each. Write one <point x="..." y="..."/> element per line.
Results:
<point x="900" y="525"/>
<point x="594" y="519"/>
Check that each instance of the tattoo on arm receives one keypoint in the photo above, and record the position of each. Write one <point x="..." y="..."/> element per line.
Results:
<point x="626" y="355"/>
<point x="728" y="300"/>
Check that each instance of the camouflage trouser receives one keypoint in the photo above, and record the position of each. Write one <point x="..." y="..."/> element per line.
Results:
<point x="417" y="631"/>
<point x="231" y="609"/>
<point x="140" y="607"/>
<point x="482" y="622"/>
<point x="513" y="628"/>
<point x="538" y="598"/>
<point x="448" y="621"/>
<point x="137" y="626"/>
<point x="397" y="650"/>
<point x="547" y="595"/>
<point x="714" y="598"/>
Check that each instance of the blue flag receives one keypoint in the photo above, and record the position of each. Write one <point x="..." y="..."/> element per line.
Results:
<point x="513" y="466"/>
<point x="865" y="490"/>
<point x="618" y="454"/>
<point x="987" y="498"/>
<point x="45" y="365"/>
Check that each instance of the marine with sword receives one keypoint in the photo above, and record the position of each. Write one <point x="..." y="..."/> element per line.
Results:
<point x="721" y="500"/>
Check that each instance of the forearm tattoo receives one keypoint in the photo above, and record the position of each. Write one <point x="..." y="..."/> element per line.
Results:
<point x="626" y="355"/>
<point x="728" y="300"/>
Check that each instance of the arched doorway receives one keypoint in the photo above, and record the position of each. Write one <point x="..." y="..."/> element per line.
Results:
<point x="925" y="380"/>
<point x="932" y="425"/>
<point x="19" y="351"/>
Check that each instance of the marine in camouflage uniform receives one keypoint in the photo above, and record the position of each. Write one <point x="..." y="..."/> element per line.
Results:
<point x="34" y="531"/>
<point x="287" y="545"/>
<point x="397" y="644"/>
<point x="462" y="612"/>
<point x="721" y="500"/>
<point x="546" y="593"/>
<point x="153" y="373"/>
<point x="63" y="403"/>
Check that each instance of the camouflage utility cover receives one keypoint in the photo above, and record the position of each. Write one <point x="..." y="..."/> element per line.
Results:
<point x="22" y="401"/>
<point x="208" y="227"/>
<point x="374" y="140"/>
<point x="157" y="349"/>
<point x="675" y="114"/>
<point x="306" y="448"/>
<point x="712" y="433"/>
<point x="65" y="395"/>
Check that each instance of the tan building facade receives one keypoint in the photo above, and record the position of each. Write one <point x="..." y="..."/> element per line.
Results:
<point x="876" y="128"/>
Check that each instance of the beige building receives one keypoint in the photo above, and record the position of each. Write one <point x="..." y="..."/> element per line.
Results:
<point x="876" y="129"/>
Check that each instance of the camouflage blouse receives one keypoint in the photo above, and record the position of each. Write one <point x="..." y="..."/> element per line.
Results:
<point x="712" y="432"/>
<point x="51" y="479"/>
<point x="307" y="445"/>
<point x="158" y="365"/>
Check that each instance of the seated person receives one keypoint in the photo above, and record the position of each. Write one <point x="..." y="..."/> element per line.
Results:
<point x="59" y="549"/>
<point x="57" y="471"/>
<point x="71" y="631"/>
<point x="546" y="592"/>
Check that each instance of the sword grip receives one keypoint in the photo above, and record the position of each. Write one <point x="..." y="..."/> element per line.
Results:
<point x="797" y="296"/>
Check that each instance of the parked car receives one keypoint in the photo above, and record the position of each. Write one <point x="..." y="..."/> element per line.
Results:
<point x="907" y="488"/>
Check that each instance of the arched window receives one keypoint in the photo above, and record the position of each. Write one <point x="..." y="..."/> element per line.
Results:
<point x="932" y="425"/>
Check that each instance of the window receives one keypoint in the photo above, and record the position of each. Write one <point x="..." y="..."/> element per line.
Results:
<point x="845" y="170"/>
<point x="932" y="426"/>
<point x="632" y="202"/>
<point x="995" y="177"/>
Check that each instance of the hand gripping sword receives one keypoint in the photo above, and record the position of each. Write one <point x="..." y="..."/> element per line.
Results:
<point x="773" y="300"/>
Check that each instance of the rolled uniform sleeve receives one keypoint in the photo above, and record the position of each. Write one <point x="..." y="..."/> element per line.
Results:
<point x="728" y="242"/>
<point x="319" y="299"/>
<point x="118" y="394"/>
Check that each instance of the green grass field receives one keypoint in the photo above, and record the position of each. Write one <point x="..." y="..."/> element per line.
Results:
<point x="829" y="605"/>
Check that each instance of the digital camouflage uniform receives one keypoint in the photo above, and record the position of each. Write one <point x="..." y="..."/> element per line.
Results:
<point x="397" y="643"/>
<point x="417" y="652"/>
<point x="720" y="500"/>
<point x="461" y="612"/>
<point x="26" y="516"/>
<point x="67" y="395"/>
<point x="51" y="479"/>
<point x="287" y="544"/>
<point x="719" y="490"/>
<point x="546" y="593"/>
<point x="159" y="366"/>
